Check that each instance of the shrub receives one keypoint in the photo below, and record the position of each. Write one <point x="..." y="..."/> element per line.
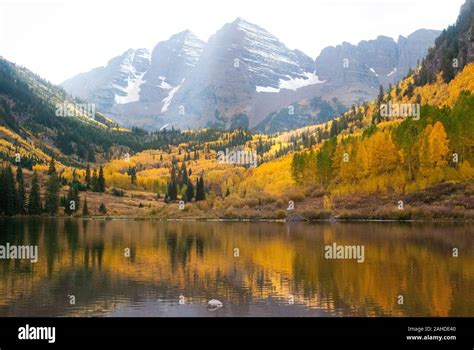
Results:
<point x="280" y="214"/>
<point x="102" y="209"/>
<point x="117" y="192"/>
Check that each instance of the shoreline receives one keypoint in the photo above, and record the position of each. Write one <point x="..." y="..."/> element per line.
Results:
<point x="238" y="220"/>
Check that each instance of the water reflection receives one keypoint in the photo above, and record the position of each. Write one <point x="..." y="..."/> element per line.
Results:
<point x="141" y="268"/>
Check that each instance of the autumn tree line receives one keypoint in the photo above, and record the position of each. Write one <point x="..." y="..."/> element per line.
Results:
<point x="16" y="199"/>
<point x="402" y="157"/>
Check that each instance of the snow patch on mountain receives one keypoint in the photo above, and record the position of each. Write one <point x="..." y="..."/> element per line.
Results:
<point x="163" y="84"/>
<point x="267" y="89"/>
<point x="132" y="91"/>
<point x="292" y="84"/>
<point x="167" y="100"/>
<point x="373" y="71"/>
<point x="130" y="76"/>
<point x="392" y="72"/>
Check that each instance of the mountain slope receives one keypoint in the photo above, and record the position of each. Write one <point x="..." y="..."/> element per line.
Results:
<point x="454" y="49"/>
<point x="117" y="83"/>
<point x="40" y="120"/>
<point x="137" y="86"/>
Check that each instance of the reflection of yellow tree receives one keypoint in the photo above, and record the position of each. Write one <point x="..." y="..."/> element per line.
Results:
<point x="197" y="259"/>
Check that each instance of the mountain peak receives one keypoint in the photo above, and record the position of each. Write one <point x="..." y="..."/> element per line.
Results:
<point x="242" y="68"/>
<point x="243" y="25"/>
<point x="184" y="34"/>
<point x="240" y="20"/>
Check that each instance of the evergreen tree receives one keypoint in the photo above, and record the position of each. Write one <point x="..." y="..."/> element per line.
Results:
<point x="51" y="196"/>
<point x="91" y="154"/>
<point x="94" y="181"/>
<point x="101" y="181"/>
<point x="334" y="128"/>
<point x="102" y="209"/>
<point x="85" y="208"/>
<point x="172" y="191"/>
<point x="9" y="194"/>
<point x="34" y="200"/>
<point x="409" y="91"/>
<point x="133" y="175"/>
<point x="72" y="201"/>
<point x="189" y="194"/>
<point x="88" y="177"/>
<point x="21" y="202"/>
<point x="381" y="95"/>
<point x="52" y="166"/>
<point x="200" y="192"/>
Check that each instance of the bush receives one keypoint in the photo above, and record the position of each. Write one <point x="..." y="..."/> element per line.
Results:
<point x="250" y="202"/>
<point x="102" y="209"/>
<point x="316" y="214"/>
<point x="280" y="214"/>
<point x="117" y="193"/>
<point x="280" y="203"/>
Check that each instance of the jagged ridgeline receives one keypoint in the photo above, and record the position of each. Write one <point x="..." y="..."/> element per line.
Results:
<point x="244" y="76"/>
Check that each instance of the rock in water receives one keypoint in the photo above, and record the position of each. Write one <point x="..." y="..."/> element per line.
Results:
<point x="214" y="304"/>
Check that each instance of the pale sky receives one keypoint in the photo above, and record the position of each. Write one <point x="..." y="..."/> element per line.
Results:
<point x="59" y="38"/>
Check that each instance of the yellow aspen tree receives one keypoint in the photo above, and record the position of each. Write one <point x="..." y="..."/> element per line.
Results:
<point x="439" y="145"/>
<point x="350" y="167"/>
<point x="424" y="151"/>
<point x="362" y="162"/>
<point x="337" y="159"/>
<point x="466" y="171"/>
<point x="383" y="153"/>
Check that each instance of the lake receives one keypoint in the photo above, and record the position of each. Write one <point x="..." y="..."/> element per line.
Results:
<point x="173" y="268"/>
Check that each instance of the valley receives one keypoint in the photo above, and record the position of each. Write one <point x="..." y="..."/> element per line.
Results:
<point x="368" y="161"/>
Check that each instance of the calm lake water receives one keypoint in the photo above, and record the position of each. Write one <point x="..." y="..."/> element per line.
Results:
<point x="254" y="269"/>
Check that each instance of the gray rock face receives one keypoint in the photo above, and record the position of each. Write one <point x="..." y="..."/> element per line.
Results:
<point x="242" y="76"/>
<point x="238" y="62"/>
<point x="375" y="62"/>
<point x="171" y="62"/>
<point x="116" y="83"/>
<point x="135" y="86"/>
<point x="413" y="48"/>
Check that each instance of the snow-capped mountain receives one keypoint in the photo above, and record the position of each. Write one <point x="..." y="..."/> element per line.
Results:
<point x="238" y="63"/>
<point x="241" y="77"/>
<point x="119" y="82"/>
<point x="138" y="84"/>
<point x="171" y="62"/>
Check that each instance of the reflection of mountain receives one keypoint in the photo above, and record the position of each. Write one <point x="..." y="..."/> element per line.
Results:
<point x="196" y="260"/>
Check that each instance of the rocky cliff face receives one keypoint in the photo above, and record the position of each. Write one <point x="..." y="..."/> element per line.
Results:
<point x="374" y="62"/>
<point x="242" y="76"/>
<point x="171" y="62"/>
<point x="239" y="61"/>
<point x="116" y="83"/>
